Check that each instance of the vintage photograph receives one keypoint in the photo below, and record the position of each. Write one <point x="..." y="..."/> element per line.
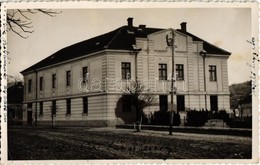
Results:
<point x="151" y="83"/>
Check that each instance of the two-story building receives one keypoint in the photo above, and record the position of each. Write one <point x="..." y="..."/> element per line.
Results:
<point x="82" y="83"/>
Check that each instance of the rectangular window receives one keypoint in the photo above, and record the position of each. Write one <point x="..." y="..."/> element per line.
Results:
<point x="163" y="102"/>
<point x="126" y="70"/>
<point x="29" y="114"/>
<point x="85" y="73"/>
<point x="30" y="86"/>
<point x="214" y="103"/>
<point x="212" y="73"/>
<point x="126" y="103"/>
<point x="53" y="107"/>
<point x="41" y="108"/>
<point x="68" y="78"/>
<point x="180" y="103"/>
<point x="85" y="105"/>
<point x="162" y="71"/>
<point x="53" y="80"/>
<point x="68" y="106"/>
<point x="29" y="106"/>
<point x="180" y="72"/>
<point x="41" y="83"/>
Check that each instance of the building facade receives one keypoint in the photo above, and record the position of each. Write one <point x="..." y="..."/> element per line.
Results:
<point x="82" y="84"/>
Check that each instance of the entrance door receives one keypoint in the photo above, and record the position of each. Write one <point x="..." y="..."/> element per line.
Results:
<point x="180" y="103"/>
<point x="163" y="100"/>
<point x="214" y="103"/>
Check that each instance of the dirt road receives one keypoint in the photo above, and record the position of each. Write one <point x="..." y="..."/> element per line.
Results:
<point x="26" y="143"/>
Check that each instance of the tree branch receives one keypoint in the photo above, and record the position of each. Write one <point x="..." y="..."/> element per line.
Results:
<point x="19" y="22"/>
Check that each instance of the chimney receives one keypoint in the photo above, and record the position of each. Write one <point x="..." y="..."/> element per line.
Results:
<point x="130" y="22"/>
<point x="142" y="26"/>
<point x="183" y="26"/>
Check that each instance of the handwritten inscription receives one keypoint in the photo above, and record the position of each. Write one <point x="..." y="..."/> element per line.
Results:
<point x="255" y="59"/>
<point x="4" y="64"/>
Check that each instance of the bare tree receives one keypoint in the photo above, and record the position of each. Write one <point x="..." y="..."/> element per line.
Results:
<point x="12" y="80"/>
<point x="141" y="97"/>
<point x="19" y="22"/>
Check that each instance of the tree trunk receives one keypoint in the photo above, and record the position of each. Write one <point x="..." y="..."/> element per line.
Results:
<point x="52" y="121"/>
<point x="137" y="126"/>
<point x="138" y="121"/>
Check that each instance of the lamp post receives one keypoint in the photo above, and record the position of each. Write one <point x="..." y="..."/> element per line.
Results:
<point x="203" y="53"/>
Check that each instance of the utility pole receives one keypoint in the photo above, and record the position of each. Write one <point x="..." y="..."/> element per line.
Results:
<point x="138" y="114"/>
<point x="36" y="97"/>
<point x="203" y="53"/>
<point x="171" y="42"/>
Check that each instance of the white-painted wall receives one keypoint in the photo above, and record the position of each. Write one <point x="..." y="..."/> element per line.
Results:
<point x="105" y="84"/>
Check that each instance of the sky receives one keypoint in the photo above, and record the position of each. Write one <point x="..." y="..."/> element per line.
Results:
<point x="227" y="28"/>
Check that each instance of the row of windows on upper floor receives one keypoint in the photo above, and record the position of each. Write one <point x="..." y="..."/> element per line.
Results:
<point x="126" y="74"/>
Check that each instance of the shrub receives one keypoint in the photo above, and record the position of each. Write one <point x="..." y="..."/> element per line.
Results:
<point x="237" y="123"/>
<point x="221" y="114"/>
<point x="176" y="119"/>
<point x="145" y="119"/>
<point x="161" y="118"/>
<point x="196" y="118"/>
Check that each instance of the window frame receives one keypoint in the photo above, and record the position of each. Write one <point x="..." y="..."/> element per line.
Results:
<point x="53" y="107"/>
<point x="29" y="85"/>
<point x="85" y="105"/>
<point x="84" y="73"/>
<point x="41" y="83"/>
<point x="163" y="103"/>
<point x="162" y="71"/>
<point x="68" y="78"/>
<point x="212" y="73"/>
<point x="54" y="79"/>
<point x="125" y="70"/>
<point x="68" y="106"/>
<point x="41" y="108"/>
<point x="29" y="106"/>
<point x="179" y="69"/>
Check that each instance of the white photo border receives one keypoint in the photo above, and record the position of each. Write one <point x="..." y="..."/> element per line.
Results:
<point x="115" y="5"/>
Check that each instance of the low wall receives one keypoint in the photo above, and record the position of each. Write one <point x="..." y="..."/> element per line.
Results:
<point x="200" y="130"/>
<point x="80" y="123"/>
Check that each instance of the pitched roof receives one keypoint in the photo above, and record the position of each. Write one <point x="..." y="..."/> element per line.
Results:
<point x="121" y="39"/>
<point x="210" y="48"/>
